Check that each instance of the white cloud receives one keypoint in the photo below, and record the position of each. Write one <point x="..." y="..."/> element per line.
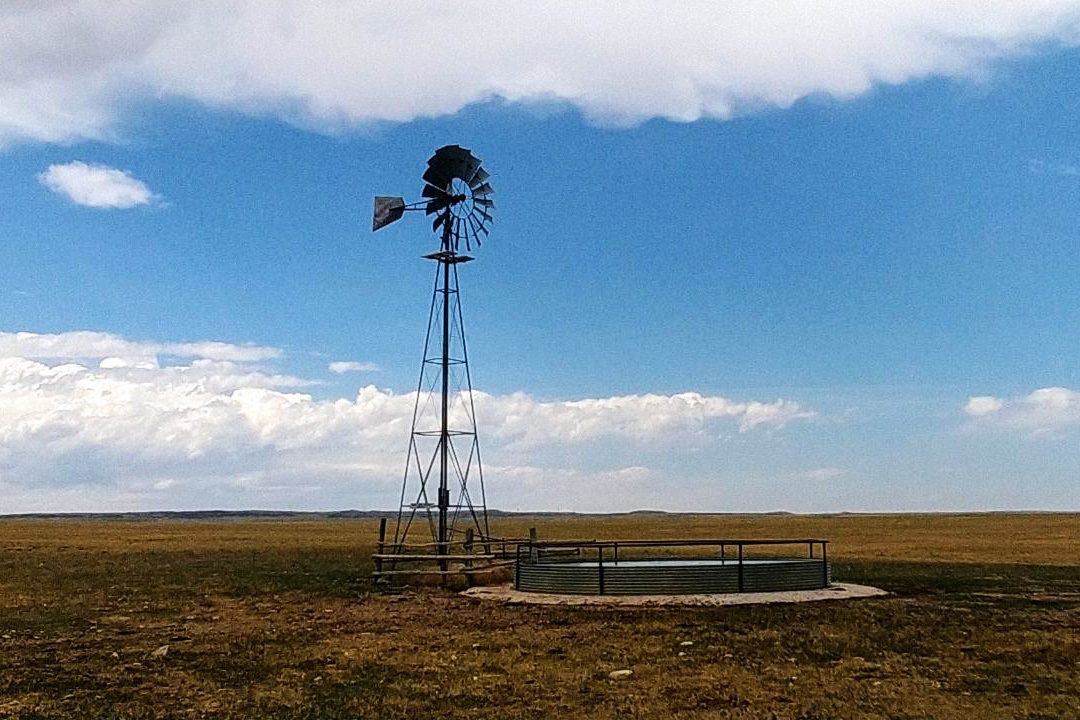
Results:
<point x="139" y="428"/>
<point x="68" y="70"/>
<point x="1053" y="168"/>
<point x="96" y="186"/>
<point x="1044" y="411"/>
<point x="342" y="366"/>
<point x="526" y="422"/>
<point x="982" y="405"/>
<point x="87" y="344"/>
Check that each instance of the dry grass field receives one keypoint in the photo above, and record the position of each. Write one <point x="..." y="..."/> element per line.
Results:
<point x="278" y="619"/>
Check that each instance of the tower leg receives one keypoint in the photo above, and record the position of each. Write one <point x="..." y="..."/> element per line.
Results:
<point x="444" y="435"/>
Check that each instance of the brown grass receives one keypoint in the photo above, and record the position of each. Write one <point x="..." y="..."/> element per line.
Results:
<point x="277" y="619"/>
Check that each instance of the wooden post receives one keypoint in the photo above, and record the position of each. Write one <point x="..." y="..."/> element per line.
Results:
<point x="381" y="545"/>
<point x="468" y="551"/>
<point x="534" y="553"/>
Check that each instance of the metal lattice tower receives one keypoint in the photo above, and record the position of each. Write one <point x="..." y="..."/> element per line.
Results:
<point x="443" y="443"/>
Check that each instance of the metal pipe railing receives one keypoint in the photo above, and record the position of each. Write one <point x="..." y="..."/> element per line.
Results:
<point x="533" y="548"/>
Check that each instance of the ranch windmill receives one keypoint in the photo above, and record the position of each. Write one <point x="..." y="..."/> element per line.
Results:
<point x="443" y="484"/>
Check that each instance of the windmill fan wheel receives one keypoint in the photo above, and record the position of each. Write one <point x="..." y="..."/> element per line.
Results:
<point x="457" y="191"/>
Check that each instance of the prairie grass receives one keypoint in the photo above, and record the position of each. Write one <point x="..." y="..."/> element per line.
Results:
<point x="278" y="619"/>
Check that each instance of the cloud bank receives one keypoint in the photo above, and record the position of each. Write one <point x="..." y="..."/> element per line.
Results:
<point x="87" y="344"/>
<point x="1047" y="410"/>
<point x="91" y="421"/>
<point x="340" y="367"/>
<point x="70" y="70"/>
<point x="96" y="186"/>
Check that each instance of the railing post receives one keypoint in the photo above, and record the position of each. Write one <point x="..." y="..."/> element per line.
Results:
<point x="616" y="553"/>
<point x="723" y="558"/>
<point x="517" y="568"/>
<point x="811" y="544"/>
<point x="740" y="568"/>
<point x="600" y="566"/>
<point x="534" y="552"/>
<point x="824" y="563"/>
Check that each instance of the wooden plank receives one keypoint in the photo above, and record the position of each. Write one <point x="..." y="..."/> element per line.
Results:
<point x="409" y="558"/>
<point x="460" y="571"/>
<point x="484" y="568"/>
<point x="417" y="572"/>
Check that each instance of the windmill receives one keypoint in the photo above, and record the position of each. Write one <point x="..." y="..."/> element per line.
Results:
<point x="443" y="442"/>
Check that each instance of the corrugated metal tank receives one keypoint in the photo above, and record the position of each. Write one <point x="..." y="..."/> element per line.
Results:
<point x="660" y="577"/>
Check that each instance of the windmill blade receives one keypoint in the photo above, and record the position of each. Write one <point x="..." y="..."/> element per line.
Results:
<point x="468" y="245"/>
<point x="469" y="168"/>
<point x="483" y="201"/>
<point x="430" y="191"/>
<point x="477" y="227"/>
<point x="436" y="206"/>
<point x="460" y="231"/>
<point x="484" y="189"/>
<point x="453" y="169"/>
<point x="440" y="199"/>
<point x="480" y="226"/>
<point x="477" y="177"/>
<point x="472" y="226"/>
<point x="451" y="161"/>
<point x="454" y="153"/>
<point x="481" y="213"/>
<point x="440" y="220"/>
<point x="387" y="210"/>
<point x="436" y="176"/>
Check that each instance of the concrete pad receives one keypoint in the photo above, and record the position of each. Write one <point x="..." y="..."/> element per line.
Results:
<point x="506" y="594"/>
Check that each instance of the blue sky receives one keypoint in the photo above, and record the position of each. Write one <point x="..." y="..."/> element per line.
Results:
<point x="845" y="281"/>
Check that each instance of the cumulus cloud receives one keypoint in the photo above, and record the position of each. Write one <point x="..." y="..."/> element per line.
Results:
<point x="96" y="186"/>
<point x="153" y="422"/>
<point x="527" y="422"/>
<point x="347" y="366"/>
<point x="68" y="70"/>
<point x="1044" y="411"/>
<point x="982" y="405"/>
<point x="87" y="344"/>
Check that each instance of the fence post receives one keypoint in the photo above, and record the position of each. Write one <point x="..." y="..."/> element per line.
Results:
<point x="600" y="566"/>
<point x="825" y="563"/>
<point x="517" y="568"/>
<point x="740" y="568"/>
<point x="534" y="552"/>
<point x="379" y="548"/>
<point x="468" y="546"/>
